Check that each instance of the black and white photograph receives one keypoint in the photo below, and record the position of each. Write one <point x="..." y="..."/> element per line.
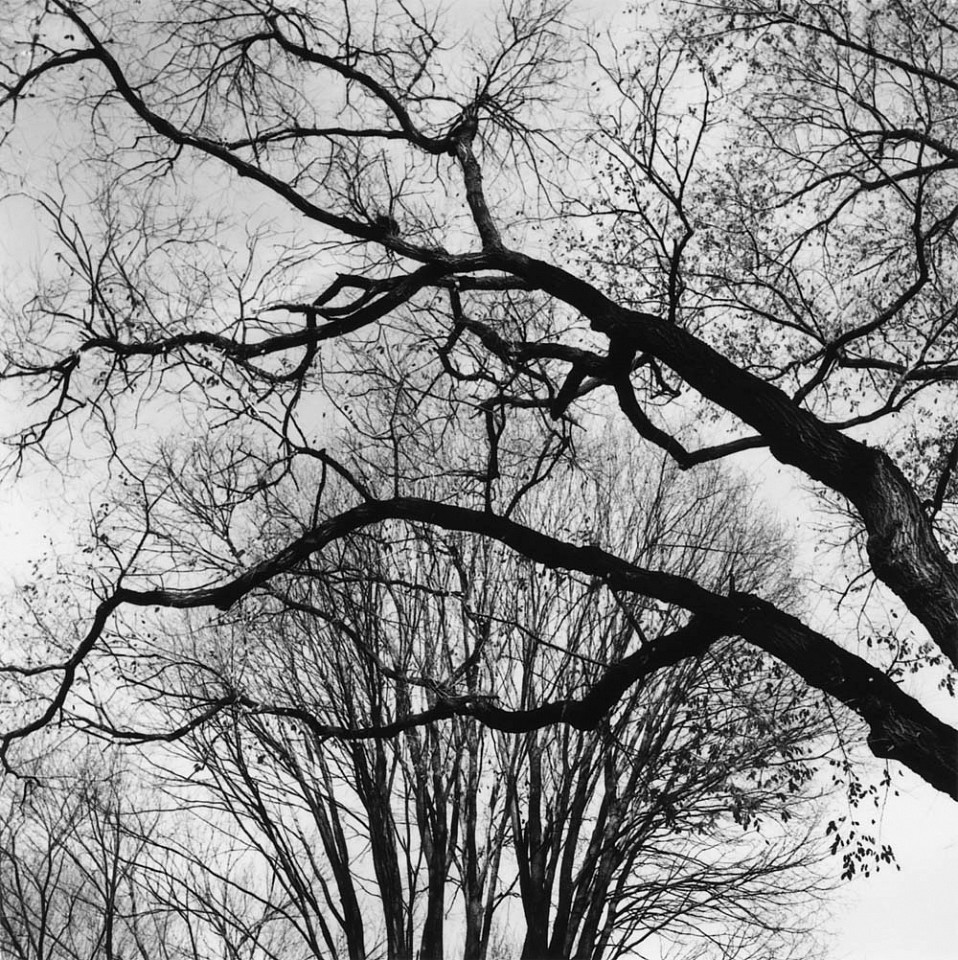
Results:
<point x="478" y="479"/>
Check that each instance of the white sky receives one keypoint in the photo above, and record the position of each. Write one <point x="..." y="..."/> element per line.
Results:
<point x="906" y="914"/>
<point x="911" y="914"/>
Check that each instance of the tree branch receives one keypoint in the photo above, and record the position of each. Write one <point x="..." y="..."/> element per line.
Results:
<point x="899" y="727"/>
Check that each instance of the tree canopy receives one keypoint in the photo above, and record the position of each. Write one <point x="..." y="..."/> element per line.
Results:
<point x="354" y="251"/>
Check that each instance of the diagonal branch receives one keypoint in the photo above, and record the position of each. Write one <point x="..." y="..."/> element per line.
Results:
<point x="902" y="546"/>
<point x="219" y="151"/>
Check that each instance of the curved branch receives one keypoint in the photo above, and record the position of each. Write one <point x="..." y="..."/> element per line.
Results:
<point x="218" y="150"/>
<point x="777" y="17"/>
<point x="583" y="713"/>
<point x="899" y="727"/>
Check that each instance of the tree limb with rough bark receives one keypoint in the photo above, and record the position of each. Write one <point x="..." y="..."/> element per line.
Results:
<point x="475" y="245"/>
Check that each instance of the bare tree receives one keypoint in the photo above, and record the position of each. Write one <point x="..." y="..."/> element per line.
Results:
<point x="759" y="302"/>
<point x="686" y="811"/>
<point x="68" y="845"/>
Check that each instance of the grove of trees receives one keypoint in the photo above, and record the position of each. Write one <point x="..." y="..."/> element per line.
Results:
<point x="410" y="360"/>
<point x="691" y="816"/>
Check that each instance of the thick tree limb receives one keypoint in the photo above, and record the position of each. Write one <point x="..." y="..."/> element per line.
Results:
<point x="902" y="546"/>
<point x="583" y="713"/>
<point x="899" y="727"/>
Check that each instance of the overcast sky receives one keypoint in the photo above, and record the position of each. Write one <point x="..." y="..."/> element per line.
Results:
<point x="911" y="914"/>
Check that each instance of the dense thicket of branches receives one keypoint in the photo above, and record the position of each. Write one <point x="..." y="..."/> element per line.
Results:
<point x="688" y="821"/>
<point x="686" y="817"/>
<point x="742" y="216"/>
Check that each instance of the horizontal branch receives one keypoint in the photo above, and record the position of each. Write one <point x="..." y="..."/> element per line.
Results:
<point x="583" y="713"/>
<point x="925" y="372"/>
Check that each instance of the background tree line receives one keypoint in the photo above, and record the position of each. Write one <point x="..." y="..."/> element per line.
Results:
<point x="689" y="820"/>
